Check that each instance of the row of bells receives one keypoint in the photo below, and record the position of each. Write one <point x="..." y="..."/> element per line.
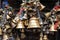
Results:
<point x="5" y="36"/>
<point x="33" y="23"/>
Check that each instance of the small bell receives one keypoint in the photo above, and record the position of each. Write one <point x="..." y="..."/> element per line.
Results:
<point x="41" y="36"/>
<point x="20" y="24"/>
<point x="0" y="31"/>
<point x="13" y="24"/>
<point x="45" y="37"/>
<point x="16" y="19"/>
<point x="47" y="14"/>
<point x="8" y="17"/>
<point x="7" y="26"/>
<point x="34" y="23"/>
<point x="52" y="27"/>
<point x="41" y="6"/>
<point x="5" y="37"/>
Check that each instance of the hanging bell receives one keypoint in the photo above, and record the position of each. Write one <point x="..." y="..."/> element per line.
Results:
<point x="7" y="26"/>
<point x="41" y="36"/>
<point x="52" y="27"/>
<point x="16" y="19"/>
<point x="5" y="37"/>
<point x="34" y="23"/>
<point x="40" y="6"/>
<point x="0" y="16"/>
<point x="47" y="14"/>
<point x="8" y="17"/>
<point x="20" y="24"/>
<point x="45" y="37"/>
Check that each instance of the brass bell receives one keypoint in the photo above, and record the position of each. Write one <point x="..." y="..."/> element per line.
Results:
<point x="16" y="19"/>
<point x="52" y="27"/>
<point x="7" y="26"/>
<point x="47" y="14"/>
<point x="13" y="21"/>
<point x="8" y="17"/>
<point x="20" y="24"/>
<point x="5" y="37"/>
<point x="0" y="16"/>
<point x="45" y="37"/>
<point x="13" y="24"/>
<point x="34" y="23"/>
<point x="41" y="6"/>
<point x="41" y="36"/>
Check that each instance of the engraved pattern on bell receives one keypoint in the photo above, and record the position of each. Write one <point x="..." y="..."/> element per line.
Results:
<point x="34" y="23"/>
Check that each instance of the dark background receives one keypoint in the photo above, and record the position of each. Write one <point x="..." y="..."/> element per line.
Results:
<point x="48" y="3"/>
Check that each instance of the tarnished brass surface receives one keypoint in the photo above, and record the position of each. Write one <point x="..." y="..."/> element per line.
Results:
<point x="34" y="23"/>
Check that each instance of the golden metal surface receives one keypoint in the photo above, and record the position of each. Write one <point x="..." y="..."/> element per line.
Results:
<point x="20" y="24"/>
<point x="34" y="23"/>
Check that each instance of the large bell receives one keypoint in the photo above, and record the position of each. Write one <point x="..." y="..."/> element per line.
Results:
<point x="34" y="23"/>
<point x="20" y="24"/>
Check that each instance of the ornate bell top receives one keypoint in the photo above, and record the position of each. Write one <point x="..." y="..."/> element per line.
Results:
<point x="34" y="23"/>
